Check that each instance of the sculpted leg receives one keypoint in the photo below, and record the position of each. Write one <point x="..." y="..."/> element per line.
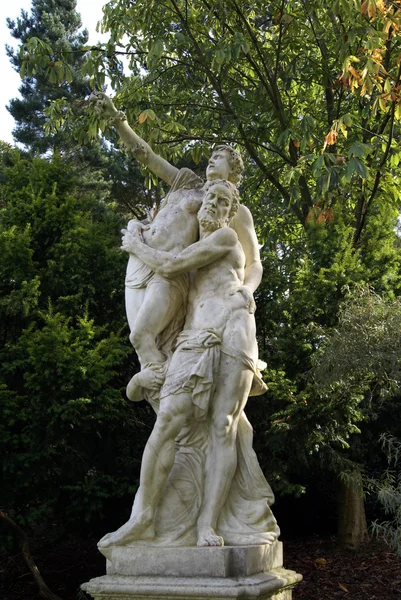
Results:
<point x="232" y="391"/>
<point x="157" y="462"/>
<point x="161" y="303"/>
<point x="134" y="298"/>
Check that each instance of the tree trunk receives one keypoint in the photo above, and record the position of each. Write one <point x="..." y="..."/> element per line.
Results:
<point x="352" y="529"/>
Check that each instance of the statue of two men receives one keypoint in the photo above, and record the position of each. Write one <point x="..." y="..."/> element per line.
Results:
<point x="190" y="280"/>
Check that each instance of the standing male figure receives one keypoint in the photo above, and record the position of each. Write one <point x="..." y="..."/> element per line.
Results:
<point x="154" y="302"/>
<point x="211" y="371"/>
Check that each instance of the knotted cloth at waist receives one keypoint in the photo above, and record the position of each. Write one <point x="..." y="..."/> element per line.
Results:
<point x="195" y="364"/>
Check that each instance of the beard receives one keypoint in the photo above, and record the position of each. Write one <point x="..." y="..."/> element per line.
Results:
<point x="210" y="224"/>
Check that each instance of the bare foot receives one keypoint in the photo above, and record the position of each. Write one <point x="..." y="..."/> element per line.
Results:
<point x="132" y="530"/>
<point x="208" y="537"/>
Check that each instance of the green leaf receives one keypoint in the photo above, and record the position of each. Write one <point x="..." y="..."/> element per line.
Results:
<point x="347" y="120"/>
<point x="52" y="75"/>
<point x="359" y="150"/>
<point x="361" y="168"/>
<point x="351" y="169"/>
<point x="158" y="48"/>
<point x="245" y="47"/>
<point x="317" y="165"/>
<point x="220" y="56"/>
<point x="326" y="183"/>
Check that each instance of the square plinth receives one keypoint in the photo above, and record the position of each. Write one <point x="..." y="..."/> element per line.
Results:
<point x="277" y="584"/>
<point x="228" y="561"/>
<point x="188" y="573"/>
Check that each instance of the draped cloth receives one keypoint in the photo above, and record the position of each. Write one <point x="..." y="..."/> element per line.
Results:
<point x="246" y="515"/>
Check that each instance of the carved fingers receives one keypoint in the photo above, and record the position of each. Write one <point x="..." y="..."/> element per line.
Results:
<point x="136" y="227"/>
<point x="247" y="295"/>
<point x="126" y="241"/>
<point x="105" y="108"/>
<point x="130" y="235"/>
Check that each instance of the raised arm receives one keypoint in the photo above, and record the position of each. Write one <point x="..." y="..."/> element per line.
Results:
<point x="139" y="148"/>
<point x="200" y="254"/>
<point x="245" y="229"/>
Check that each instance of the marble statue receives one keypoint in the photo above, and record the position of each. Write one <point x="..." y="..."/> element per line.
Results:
<point x="152" y="302"/>
<point x="191" y="274"/>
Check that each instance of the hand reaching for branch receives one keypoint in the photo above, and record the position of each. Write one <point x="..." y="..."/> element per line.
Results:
<point x="103" y="105"/>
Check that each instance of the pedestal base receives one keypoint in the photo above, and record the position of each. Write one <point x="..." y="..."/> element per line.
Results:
<point x="144" y="573"/>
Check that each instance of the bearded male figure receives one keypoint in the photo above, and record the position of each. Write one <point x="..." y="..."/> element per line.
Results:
<point x="208" y="381"/>
<point x="155" y="305"/>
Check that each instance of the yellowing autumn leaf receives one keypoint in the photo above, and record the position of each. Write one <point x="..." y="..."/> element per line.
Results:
<point x="331" y="137"/>
<point x="354" y="72"/>
<point x="146" y="114"/>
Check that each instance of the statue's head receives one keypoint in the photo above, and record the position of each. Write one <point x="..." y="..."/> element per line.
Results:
<point x="225" y="163"/>
<point x="219" y="205"/>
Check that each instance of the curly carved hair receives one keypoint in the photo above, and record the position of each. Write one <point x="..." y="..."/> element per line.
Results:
<point x="234" y="161"/>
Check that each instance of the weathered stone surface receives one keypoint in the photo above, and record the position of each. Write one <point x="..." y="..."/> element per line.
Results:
<point x="140" y="572"/>
<point x="228" y="561"/>
<point x="201" y="525"/>
<point x="277" y="584"/>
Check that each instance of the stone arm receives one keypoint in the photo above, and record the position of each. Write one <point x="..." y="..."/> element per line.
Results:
<point x="200" y="254"/>
<point x="244" y="227"/>
<point x="139" y="148"/>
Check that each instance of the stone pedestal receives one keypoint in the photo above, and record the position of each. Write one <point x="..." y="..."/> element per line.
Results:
<point x="146" y="573"/>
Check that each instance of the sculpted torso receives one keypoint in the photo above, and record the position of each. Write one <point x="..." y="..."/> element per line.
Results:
<point x="214" y="303"/>
<point x="175" y="226"/>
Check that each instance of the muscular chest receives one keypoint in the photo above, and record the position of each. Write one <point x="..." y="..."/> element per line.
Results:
<point x="175" y="225"/>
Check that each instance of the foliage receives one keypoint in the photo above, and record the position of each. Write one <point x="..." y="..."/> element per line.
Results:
<point x="364" y="348"/>
<point x="69" y="443"/>
<point x="278" y="80"/>
<point x="57" y="24"/>
<point x="310" y="92"/>
<point x="389" y="496"/>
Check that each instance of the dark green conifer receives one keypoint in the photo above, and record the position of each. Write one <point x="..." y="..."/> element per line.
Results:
<point x="57" y="23"/>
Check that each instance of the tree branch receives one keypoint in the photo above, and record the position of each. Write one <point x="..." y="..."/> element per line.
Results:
<point x="366" y="205"/>
<point x="44" y="591"/>
<point x="327" y="84"/>
<point x="280" y="37"/>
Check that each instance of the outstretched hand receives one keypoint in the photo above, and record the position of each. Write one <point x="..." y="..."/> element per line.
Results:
<point x="103" y="105"/>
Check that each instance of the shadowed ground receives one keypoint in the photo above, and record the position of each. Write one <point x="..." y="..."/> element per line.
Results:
<point x="329" y="572"/>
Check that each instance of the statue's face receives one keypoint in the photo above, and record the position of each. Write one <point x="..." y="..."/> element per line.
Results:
<point x="216" y="206"/>
<point x="219" y="166"/>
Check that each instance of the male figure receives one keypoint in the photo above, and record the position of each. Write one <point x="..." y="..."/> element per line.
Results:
<point x="211" y="372"/>
<point x="152" y="301"/>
